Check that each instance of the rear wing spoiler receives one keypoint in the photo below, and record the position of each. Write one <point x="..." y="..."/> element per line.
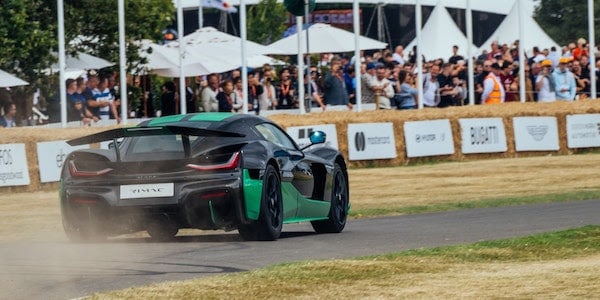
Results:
<point x="146" y="131"/>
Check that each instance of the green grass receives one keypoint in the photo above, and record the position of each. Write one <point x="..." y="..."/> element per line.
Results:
<point x="554" y="245"/>
<point x="396" y="275"/>
<point x="494" y="202"/>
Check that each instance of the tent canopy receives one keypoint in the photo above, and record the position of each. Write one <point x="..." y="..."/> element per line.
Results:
<point x="438" y="36"/>
<point x="508" y="31"/>
<point x="9" y="80"/>
<point x="323" y="38"/>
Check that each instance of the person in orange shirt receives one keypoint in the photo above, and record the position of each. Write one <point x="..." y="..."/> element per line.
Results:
<point x="493" y="91"/>
<point x="581" y="49"/>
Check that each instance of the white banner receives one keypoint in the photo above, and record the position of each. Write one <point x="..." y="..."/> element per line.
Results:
<point x="583" y="131"/>
<point x="51" y="156"/>
<point x="301" y="134"/>
<point x="428" y="138"/>
<point x="536" y="134"/>
<point x="483" y="135"/>
<point x="13" y="165"/>
<point x="371" y="141"/>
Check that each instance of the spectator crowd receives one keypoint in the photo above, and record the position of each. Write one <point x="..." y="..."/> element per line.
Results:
<point x="388" y="79"/>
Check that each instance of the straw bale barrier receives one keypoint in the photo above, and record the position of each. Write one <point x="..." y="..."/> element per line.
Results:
<point x="31" y="135"/>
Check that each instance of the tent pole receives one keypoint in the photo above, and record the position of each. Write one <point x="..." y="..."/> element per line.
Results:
<point x="357" y="62"/>
<point x="592" y="46"/>
<point x="522" y="61"/>
<point x="418" y="22"/>
<point x="470" y="61"/>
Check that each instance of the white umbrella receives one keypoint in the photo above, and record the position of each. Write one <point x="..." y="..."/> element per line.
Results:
<point x="323" y="38"/>
<point x="211" y="40"/>
<point x="83" y="61"/>
<point x="9" y="80"/>
<point x="164" y="60"/>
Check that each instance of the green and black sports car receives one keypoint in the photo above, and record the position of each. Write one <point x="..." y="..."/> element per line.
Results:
<point x="206" y="171"/>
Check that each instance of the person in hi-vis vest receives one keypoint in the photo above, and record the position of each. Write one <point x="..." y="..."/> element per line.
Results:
<point x="493" y="91"/>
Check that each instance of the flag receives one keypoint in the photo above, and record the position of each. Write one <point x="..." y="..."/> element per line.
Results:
<point x="219" y="4"/>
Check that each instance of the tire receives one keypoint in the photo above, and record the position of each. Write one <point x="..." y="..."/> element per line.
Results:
<point x="339" y="205"/>
<point x="270" y="220"/>
<point x="83" y="231"/>
<point x="162" y="230"/>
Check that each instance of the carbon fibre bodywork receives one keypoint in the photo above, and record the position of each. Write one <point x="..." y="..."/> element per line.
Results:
<point x="203" y="171"/>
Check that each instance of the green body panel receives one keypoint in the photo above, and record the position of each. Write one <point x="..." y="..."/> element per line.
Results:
<point x="165" y="120"/>
<point x="211" y="116"/>
<point x="297" y="208"/>
<point x="252" y="192"/>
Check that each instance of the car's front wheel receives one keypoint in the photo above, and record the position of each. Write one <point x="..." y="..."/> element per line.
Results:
<point x="339" y="205"/>
<point x="270" y="220"/>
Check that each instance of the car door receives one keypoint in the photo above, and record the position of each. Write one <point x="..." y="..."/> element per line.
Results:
<point x="296" y="174"/>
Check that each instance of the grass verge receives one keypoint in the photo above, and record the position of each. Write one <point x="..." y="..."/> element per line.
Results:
<point x="551" y="265"/>
<point x="494" y="202"/>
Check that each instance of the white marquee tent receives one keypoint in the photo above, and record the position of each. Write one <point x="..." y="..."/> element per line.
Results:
<point x="508" y="31"/>
<point x="439" y="34"/>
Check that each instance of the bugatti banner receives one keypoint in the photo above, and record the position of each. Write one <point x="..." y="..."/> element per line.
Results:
<point x="13" y="165"/>
<point x="51" y="156"/>
<point x="371" y="141"/>
<point x="483" y="135"/>
<point x="428" y="138"/>
<point x="536" y="134"/>
<point x="583" y="131"/>
<point x="301" y="134"/>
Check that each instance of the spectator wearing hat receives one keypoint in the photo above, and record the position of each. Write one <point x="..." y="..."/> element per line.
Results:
<point x="544" y="83"/>
<point x="382" y="87"/>
<point x="493" y="91"/>
<point x="564" y="81"/>
<point x="365" y="80"/>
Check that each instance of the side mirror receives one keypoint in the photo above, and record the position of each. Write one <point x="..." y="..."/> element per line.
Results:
<point x="316" y="137"/>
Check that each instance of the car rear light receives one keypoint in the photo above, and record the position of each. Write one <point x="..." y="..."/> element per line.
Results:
<point x="77" y="173"/>
<point x="230" y="164"/>
<point x="214" y="195"/>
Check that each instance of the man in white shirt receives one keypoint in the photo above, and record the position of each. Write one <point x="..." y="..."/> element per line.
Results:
<point x="382" y="87"/>
<point x="431" y="86"/>
<point x="209" y="94"/>
<point x="398" y="55"/>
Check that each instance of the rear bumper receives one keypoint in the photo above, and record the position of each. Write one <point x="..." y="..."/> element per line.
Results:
<point x="204" y="203"/>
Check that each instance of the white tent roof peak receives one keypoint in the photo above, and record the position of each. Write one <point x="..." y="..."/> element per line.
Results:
<point x="508" y="31"/>
<point x="439" y="34"/>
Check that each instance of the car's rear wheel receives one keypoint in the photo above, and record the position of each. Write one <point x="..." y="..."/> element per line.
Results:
<point x="87" y="230"/>
<point x="270" y="220"/>
<point x="162" y="230"/>
<point x="339" y="205"/>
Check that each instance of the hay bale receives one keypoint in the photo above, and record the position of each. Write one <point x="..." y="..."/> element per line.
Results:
<point x="32" y="135"/>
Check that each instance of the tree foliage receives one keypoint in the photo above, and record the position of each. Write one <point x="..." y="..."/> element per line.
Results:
<point x="26" y="38"/>
<point x="92" y="25"/>
<point x="266" y="21"/>
<point x="565" y="20"/>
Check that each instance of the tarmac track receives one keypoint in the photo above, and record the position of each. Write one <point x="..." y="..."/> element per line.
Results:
<point x="63" y="270"/>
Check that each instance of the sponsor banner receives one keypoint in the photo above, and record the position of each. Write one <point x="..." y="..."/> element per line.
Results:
<point x="13" y="165"/>
<point x="583" y="131"/>
<point x="371" y="141"/>
<point x="51" y="156"/>
<point x="483" y="135"/>
<point x="301" y="134"/>
<point x="536" y="134"/>
<point x="428" y="138"/>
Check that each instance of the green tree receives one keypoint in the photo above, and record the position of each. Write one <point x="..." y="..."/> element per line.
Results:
<point x="26" y="37"/>
<point x="266" y="21"/>
<point x="94" y="24"/>
<point x="565" y="20"/>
